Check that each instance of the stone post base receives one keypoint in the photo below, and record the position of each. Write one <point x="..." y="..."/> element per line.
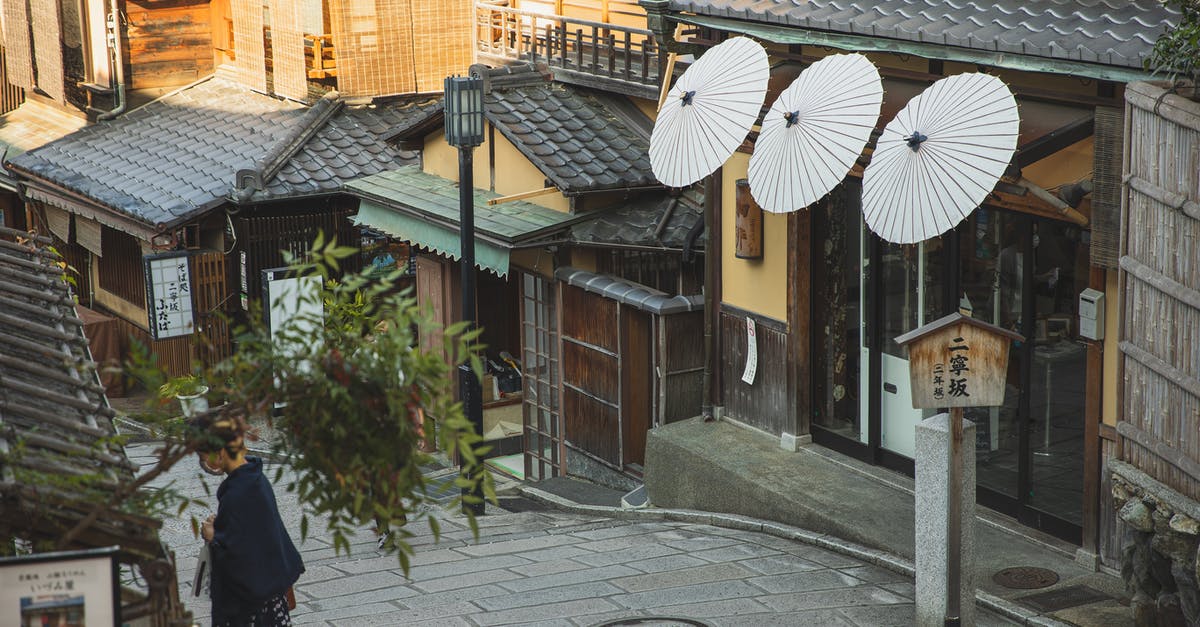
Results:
<point x="932" y="466"/>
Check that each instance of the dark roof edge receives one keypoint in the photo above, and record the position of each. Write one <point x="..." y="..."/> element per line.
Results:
<point x="247" y="181"/>
<point x="629" y="293"/>
<point x="419" y="126"/>
<point x="787" y="34"/>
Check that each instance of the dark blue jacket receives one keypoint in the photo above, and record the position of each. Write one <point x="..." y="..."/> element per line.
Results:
<point x="253" y="558"/>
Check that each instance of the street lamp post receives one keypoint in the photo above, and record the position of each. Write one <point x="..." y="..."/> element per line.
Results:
<point x="464" y="130"/>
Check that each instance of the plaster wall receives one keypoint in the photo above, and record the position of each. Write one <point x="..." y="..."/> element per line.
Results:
<point x="499" y="167"/>
<point x="756" y="285"/>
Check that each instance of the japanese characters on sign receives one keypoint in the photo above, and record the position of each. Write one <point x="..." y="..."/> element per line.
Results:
<point x="958" y="361"/>
<point x="67" y="588"/>
<point x="169" y="295"/>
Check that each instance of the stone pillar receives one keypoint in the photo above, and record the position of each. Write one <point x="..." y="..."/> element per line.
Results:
<point x="932" y="465"/>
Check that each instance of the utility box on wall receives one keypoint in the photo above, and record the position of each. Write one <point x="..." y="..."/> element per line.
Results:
<point x="1091" y="314"/>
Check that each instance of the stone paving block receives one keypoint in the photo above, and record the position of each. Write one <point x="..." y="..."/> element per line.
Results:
<point x="395" y="619"/>
<point x="436" y="556"/>
<point x="875" y="574"/>
<point x="549" y="568"/>
<point x="568" y="578"/>
<point x="824" y="557"/>
<point x="629" y="554"/>
<point x="545" y="596"/>
<point x="374" y="563"/>
<point x="555" y="554"/>
<point x="904" y="614"/>
<point x="418" y="616"/>
<point x="698" y="593"/>
<point x="684" y="577"/>
<point x="350" y="585"/>
<point x="367" y="597"/>
<point x="845" y="597"/>
<point x="351" y="613"/>
<point x="713" y="609"/>
<point x="735" y="552"/>
<point x="466" y="579"/>
<point x="780" y="564"/>
<point x="803" y="582"/>
<point x="618" y="544"/>
<point x="823" y="618"/>
<point x="474" y="595"/>
<point x="619" y="530"/>
<point x="514" y="546"/>
<point x="315" y="574"/>
<point x="523" y="615"/>
<point x="702" y="543"/>
<point x="667" y="562"/>
<point x="906" y="589"/>
<point x="491" y="563"/>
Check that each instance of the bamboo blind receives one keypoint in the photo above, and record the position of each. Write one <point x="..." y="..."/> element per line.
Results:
<point x="1106" y="186"/>
<point x="18" y="49"/>
<point x="1160" y="328"/>
<point x="287" y="50"/>
<point x="248" y="42"/>
<point x="389" y="47"/>
<point x="47" y="47"/>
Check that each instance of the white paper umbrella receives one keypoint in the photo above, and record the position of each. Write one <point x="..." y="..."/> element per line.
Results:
<point x="814" y="132"/>
<point x="941" y="156"/>
<point x="709" y="111"/>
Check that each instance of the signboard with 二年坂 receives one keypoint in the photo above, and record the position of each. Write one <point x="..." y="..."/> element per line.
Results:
<point x="958" y="361"/>
<point x="169" y="295"/>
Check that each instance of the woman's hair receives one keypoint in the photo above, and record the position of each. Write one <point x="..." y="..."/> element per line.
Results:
<point x="215" y="432"/>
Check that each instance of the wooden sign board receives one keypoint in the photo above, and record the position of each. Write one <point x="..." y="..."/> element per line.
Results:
<point x="958" y="361"/>
<point x="748" y="224"/>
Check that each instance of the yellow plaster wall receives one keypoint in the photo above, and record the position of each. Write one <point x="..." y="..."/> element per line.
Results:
<point x="760" y="285"/>
<point x="1112" y="354"/>
<point x="536" y="260"/>
<point x="514" y="173"/>
<point x="649" y="107"/>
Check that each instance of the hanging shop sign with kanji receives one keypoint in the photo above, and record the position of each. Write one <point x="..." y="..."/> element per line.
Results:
<point x="958" y="361"/>
<point x="61" y="588"/>
<point x="169" y="295"/>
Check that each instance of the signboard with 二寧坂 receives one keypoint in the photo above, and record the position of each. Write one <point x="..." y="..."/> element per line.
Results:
<point x="958" y="361"/>
<point x="169" y="295"/>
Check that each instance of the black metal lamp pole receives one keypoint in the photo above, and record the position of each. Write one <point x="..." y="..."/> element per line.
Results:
<point x="464" y="129"/>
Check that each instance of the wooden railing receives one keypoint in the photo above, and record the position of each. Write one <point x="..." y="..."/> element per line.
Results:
<point x="619" y="58"/>
<point x="319" y="57"/>
<point x="11" y="96"/>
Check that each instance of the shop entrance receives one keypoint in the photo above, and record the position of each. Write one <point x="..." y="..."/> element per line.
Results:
<point x="1014" y="270"/>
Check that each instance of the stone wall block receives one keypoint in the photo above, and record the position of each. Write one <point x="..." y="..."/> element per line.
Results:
<point x="1189" y="592"/>
<point x="1137" y="515"/>
<point x="1169" y="612"/>
<point x="1186" y="525"/>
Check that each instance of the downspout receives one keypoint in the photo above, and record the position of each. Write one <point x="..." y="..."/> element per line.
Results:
<point x="711" y="189"/>
<point x="117" y="60"/>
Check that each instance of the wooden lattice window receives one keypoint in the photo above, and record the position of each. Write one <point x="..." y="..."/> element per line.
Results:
<point x="120" y="269"/>
<point x="539" y="342"/>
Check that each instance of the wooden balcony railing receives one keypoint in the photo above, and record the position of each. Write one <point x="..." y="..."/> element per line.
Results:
<point x="319" y="57"/>
<point x="618" y="58"/>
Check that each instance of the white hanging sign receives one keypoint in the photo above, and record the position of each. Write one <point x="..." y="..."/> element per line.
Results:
<point x="169" y="295"/>
<point x="751" y="352"/>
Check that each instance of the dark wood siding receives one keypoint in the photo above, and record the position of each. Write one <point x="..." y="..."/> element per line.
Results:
<point x="592" y="425"/>
<point x="682" y="351"/>
<point x="591" y="370"/>
<point x="763" y="404"/>
<point x="168" y="42"/>
<point x="263" y="238"/>
<point x="592" y="319"/>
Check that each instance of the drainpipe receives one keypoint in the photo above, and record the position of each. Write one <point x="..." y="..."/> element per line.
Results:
<point x="711" y="189"/>
<point x="117" y="59"/>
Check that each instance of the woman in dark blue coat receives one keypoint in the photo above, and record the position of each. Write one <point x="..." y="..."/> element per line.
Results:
<point x="254" y="562"/>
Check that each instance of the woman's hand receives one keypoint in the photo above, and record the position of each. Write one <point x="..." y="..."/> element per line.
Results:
<point x="206" y="528"/>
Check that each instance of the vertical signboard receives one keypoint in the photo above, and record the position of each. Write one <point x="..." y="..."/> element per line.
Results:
<point x="169" y="295"/>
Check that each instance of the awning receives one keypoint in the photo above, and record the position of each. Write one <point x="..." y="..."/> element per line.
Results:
<point x="423" y="209"/>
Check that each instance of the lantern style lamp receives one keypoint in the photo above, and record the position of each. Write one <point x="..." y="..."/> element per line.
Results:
<point x="464" y="130"/>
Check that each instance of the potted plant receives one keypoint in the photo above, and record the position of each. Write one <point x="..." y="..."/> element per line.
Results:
<point x="1176" y="52"/>
<point x="190" y="390"/>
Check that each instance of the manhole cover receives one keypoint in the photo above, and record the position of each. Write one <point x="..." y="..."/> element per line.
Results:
<point x="656" y="621"/>
<point x="1026" y="577"/>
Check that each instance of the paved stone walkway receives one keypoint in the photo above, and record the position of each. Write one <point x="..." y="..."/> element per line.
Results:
<point x="545" y="567"/>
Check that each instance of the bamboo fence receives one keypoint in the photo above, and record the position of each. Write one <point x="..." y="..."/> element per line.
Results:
<point x="1160" y="273"/>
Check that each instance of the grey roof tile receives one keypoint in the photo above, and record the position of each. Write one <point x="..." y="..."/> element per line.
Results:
<point x="165" y="161"/>
<point x="1111" y="32"/>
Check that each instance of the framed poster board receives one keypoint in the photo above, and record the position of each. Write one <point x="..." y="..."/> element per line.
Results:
<point x="76" y="588"/>
<point x="169" y="295"/>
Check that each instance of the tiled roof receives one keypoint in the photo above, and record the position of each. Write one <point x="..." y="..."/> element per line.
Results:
<point x="1109" y="32"/>
<point x="634" y="223"/>
<point x="178" y="156"/>
<point x="56" y="419"/>
<point x="583" y="141"/>
<point x="34" y="124"/>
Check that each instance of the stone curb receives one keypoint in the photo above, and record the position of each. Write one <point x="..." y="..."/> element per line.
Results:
<point x="883" y="559"/>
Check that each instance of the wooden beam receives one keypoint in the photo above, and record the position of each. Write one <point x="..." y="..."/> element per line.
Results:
<point x="522" y="195"/>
